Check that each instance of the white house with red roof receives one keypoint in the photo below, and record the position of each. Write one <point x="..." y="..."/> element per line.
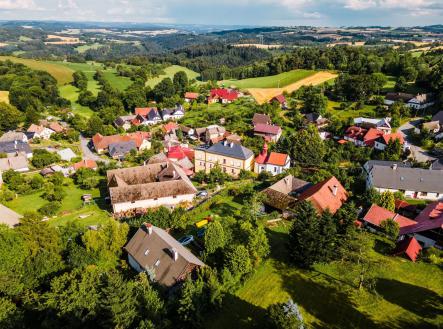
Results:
<point x="281" y="99"/>
<point x="274" y="163"/>
<point x="223" y="95"/>
<point x="382" y="142"/>
<point x="190" y="96"/>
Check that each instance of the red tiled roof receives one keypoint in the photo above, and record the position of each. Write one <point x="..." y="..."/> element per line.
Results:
<point x="56" y="127"/>
<point x="178" y="152"/>
<point x="102" y="142"/>
<point x="280" y="98"/>
<point x="190" y="95"/>
<point x="342" y="141"/>
<point x="138" y="137"/>
<point x="277" y="159"/>
<point x="86" y="163"/>
<point x="377" y="214"/>
<point x="267" y="129"/>
<point x="223" y="93"/>
<point x="401" y="204"/>
<point x="371" y="136"/>
<point x="322" y="197"/>
<point x="387" y="137"/>
<point x="170" y="126"/>
<point x="355" y="132"/>
<point x="410" y="247"/>
<point x="143" y="111"/>
<point x="428" y="219"/>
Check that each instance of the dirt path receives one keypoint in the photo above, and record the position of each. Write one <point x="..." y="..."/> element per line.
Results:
<point x="263" y="95"/>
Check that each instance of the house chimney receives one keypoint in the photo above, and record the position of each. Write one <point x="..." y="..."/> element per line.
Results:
<point x="174" y="254"/>
<point x="334" y="190"/>
<point x="264" y="152"/>
<point x="149" y="228"/>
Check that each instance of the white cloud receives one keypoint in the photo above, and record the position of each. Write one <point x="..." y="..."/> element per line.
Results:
<point x="67" y="4"/>
<point x="17" y="4"/>
<point x="408" y="5"/>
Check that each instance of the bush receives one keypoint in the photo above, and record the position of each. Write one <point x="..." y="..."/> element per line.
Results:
<point x="43" y="158"/>
<point x="86" y="178"/>
<point x="433" y="255"/>
<point x="50" y="209"/>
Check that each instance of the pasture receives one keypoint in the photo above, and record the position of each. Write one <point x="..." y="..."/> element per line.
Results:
<point x="169" y="73"/>
<point x="263" y="95"/>
<point x="274" y="81"/>
<point x="83" y="48"/>
<point x="4" y="96"/>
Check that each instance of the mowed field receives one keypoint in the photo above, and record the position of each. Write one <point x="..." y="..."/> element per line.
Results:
<point x="273" y="81"/>
<point x="61" y="73"/>
<point x="169" y="73"/>
<point x="4" y="96"/>
<point x="263" y="95"/>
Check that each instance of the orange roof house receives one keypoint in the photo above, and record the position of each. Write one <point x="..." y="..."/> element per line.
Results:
<point x="409" y="247"/>
<point x="329" y="194"/>
<point x="170" y="126"/>
<point x="86" y="163"/>
<point x="101" y="142"/>
<point x="274" y="163"/>
<point x="376" y="215"/>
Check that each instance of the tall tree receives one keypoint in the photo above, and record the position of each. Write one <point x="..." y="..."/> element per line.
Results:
<point x="181" y="82"/>
<point x="10" y="117"/>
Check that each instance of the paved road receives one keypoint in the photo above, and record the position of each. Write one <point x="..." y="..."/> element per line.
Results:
<point x="86" y="151"/>
<point x="417" y="152"/>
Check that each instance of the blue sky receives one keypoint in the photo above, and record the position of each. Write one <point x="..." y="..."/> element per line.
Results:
<point x="247" y="12"/>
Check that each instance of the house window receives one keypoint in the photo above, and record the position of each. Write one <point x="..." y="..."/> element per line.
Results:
<point x="146" y="252"/>
<point x="224" y="161"/>
<point x="157" y="263"/>
<point x="275" y="169"/>
<point x="132" y="201"/>
<point x="155" y="199"/>
<point x="174" y="197"/>
<point x="224" y="169"/>
<point x="424" y="194"/>
<point x="233" y="171"/>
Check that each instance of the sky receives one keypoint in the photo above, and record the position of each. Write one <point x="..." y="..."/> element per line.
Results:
<point x="231" y="12"/>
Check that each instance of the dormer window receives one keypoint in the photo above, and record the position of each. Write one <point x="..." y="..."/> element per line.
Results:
<point x="157" y="263"/>
<point x="146" y="252"/>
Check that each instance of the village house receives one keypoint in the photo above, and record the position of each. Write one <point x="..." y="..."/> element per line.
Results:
<point x="414" y="183"/>
<point x="326" y="195"/>
<point x="173" y="114"/>
<point x="191" y="97"/>
<point x="376" y="215"/>
<point x="141" y="139"/>
<point x="231" y="157"/>
<point x="382" y="142"/>
<point x="149" y="186"/>
<point x="273" y="163"/>
<point x="119" y="150"/>
<point x="317" y="120"/>
<point x="380" y="124"/>
<point x="125" y="121"/>
<point x="355" y="135"/>
<point x="85" y="163"/>
<point x="188" y="131"/>
<point x="12" y="136"/>
<point x="38" y="131"/>
<point x="14" y="148"/>
<point x="183" y="156"/>
<point x="9" y="217"/>
<point x="166" y="261"/>
<point x="147" y="116"/>
<point x="418" y="102"/>
<point x="222" y="95"/>
<point x="211" y="134"/>
<point x="170" y="127"/>
<point x="270" y="133"/>
<point x="281" y="100"/>
<point x="260" y="118"/>
<point x="17" y="163"/>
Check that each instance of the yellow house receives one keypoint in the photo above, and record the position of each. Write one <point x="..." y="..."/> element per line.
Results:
<point x="232" y="157"/>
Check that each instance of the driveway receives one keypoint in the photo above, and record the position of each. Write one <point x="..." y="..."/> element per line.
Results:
<point x="87" y="153"/>
<point x="418" y="153"/>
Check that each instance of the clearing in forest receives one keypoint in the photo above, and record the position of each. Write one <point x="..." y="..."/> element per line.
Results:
<point x="263" y="95"/>
<point x="4" y="96"/>
<point x="169" y="73"/>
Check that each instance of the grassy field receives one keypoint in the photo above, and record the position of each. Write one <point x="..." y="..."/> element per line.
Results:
<point x="72" y="206"/>
<point x="366" y="111"/>
<point x="71" y="93"/>
<point x="4" y="96"/>
<point x="273" y="81"/>
<point x="83" y="48"/>
<point x="169" y="73"/>
<point x="61" y="73"/>
<point x="407" y="295"/>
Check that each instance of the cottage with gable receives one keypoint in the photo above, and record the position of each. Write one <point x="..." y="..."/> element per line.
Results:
<point x="273" y="163"/>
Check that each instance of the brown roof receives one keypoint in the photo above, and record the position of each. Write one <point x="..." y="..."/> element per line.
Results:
<point x="9" y="217"/>
<point x="283" y="194"/>
<point x="152" y="181"/>
<point x="102" y="142"/>
<point x="35" y="129"/>
<point x="155" y="251"/>
<point x="261" y="118"/>
<point x="16" y="163"/>
<point x="56" y="127"/>
<point x="86" y="163"/>
<point x="329" y="194"/>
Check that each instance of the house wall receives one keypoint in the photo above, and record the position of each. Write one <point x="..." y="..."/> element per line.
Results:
<point x="273" y="138"/>
<point x="205" y="161"/>
<point x="134" y="264"/>
<point x="152" y="203"/>
<point x="146" y="145"/>
<point x="427" y="242"/>
<point x="272" y="169"/>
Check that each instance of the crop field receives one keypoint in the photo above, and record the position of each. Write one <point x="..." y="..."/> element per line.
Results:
<point x="273" y="81"/>
<point x="263" y="95"/>
<point x="83" y="48"/>
<point x="4" y="96"/>
<point x="169" y="73"/>
<point x="61" y="73"/>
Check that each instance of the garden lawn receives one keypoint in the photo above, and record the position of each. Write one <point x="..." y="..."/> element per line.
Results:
<point x="334" y="109"/>
<point x="273" y="81"/>
<point x="71" y="93"/>
<point x="408" y="295"/>
<point x="169" y="73"/>
<point x="62" y="73"/>
<point x="4" y="96"/>
<point x="72" y="206"/>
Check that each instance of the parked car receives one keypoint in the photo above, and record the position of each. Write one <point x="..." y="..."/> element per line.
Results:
<point x="184" y="241"/>
<point x="201" y="232"/>
<point x="202" y="194"/>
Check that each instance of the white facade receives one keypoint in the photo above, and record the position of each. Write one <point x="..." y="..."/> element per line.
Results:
<point x="170" y="201"/>
<point x="415" y="104"/>
<point x="270" y="168"/>
<point x="45" y="134"/>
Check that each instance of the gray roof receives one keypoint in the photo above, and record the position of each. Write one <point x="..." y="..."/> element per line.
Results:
<point x="154" y="251"/>
<point x="120" y="149"/>
<point x="369" y="164"/>
<point x="411" y="179"/>
<point x="437" y="164"/>
<point x="14" y="146"/>
<point x="9" y="217"/>
<point x="438" y="117"/>
<point x="121" y="120"/>
<point x="232" y="150"/>
<point x="12" y="136"/>
<point x="19" y="162"/>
